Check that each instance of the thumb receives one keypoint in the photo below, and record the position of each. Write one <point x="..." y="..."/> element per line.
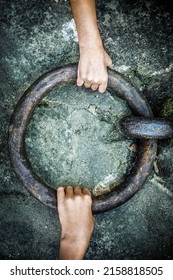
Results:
<point x="80" y="81"/>
<point x="108" y="60"/>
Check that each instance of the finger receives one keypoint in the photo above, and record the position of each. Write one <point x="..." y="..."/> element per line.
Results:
<point x="108" y="60"/>
<point x="109" y="63"/>
<point x="102" y="87"/>
<point x="86" y="191"/>
<point x="60" y="194"/>
<point x="94" y="86"/>
<point x="69" y="192"/>
<point x="80" y="81"/>
<point x="77" y="191"/>
<point x="87" y="84"/>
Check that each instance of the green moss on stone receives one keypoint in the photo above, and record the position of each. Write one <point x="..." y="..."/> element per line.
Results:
<point x="167" y="110"/>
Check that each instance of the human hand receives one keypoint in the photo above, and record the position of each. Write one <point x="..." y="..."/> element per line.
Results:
<point x="77" y="222"/>
<point x="92" y="68"/>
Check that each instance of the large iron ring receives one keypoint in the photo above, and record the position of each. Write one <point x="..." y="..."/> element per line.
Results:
<point x="23" y="112"/>
<point x="139" y="127"/>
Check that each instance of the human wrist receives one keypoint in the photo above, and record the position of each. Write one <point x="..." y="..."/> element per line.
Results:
<point x="90" y="41"/>
<point x="75" y="239"/>
<point x="91" y="46"/>
<point x="72" y="248"/>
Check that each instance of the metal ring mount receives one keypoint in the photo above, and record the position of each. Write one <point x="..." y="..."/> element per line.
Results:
<point x="18" y="127"/>
<point x="139" y="127"/>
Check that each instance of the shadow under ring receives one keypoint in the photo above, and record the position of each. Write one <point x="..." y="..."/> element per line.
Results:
<point x="23" y="112"/>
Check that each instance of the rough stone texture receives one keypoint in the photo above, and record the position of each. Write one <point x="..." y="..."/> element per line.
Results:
<point x="39" y="35"/>
<point x="78" y="132"/>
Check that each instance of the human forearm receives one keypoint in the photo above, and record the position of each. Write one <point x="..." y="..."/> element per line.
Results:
<point x="84" y="12"/>
<point x="93" y="63"/>
<point x="77" y="222"/>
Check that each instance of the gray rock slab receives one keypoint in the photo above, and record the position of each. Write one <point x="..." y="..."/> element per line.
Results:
<point x="73" y="139"/>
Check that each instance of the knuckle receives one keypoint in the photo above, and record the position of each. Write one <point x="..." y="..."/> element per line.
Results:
<point x="88" y="199"/>
<point x="89" y="79"/>
<point x="105" y="79"/>
<point x="68" y="201"/>
<point x="83" y="76"/>
<point x="78" y="198"/>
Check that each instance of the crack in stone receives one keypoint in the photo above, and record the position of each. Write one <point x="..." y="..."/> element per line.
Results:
<point x="159" y="183"/>
<point x="168" y="69"/>
<point x="101" y="116"/>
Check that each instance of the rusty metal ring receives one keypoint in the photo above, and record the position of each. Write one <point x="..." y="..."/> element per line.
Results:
<point x="23" y="112"/>
<point x="140" y="127"/>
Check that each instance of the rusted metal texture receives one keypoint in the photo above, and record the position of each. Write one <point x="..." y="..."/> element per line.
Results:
<point x="139" y="127"/>
<point x="23" y="112"/>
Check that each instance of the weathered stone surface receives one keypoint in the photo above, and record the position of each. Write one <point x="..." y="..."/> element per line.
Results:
<point x="73" y="139"/>
<point x="24" y="233"/>
<point x="39" y="35"/>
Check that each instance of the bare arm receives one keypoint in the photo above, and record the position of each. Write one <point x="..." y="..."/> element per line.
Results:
<point x="77" y="223"/>
<point x="93" y="63"/>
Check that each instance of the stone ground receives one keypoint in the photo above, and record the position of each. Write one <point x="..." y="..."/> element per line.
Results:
<point x="73" y="136"/>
